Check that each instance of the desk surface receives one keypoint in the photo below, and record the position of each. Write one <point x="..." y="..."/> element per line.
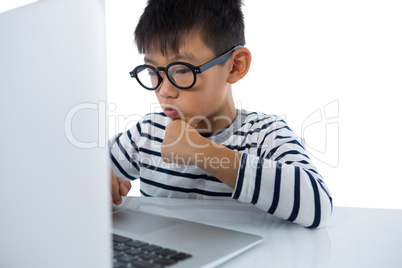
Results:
<point x="354" y="237"/>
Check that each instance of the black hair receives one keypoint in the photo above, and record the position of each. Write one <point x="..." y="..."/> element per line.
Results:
<point x="166" y="23"/>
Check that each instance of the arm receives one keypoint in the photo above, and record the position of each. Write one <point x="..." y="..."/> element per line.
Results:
<point x="290" y="192"/>
<point x="279" y="182"/>
<point x="123" y="153"/>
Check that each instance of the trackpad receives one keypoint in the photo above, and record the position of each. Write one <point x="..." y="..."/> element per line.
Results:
<point x="140" y="223"/>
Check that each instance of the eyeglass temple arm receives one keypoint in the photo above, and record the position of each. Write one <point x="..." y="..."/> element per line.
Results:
<point x="222" y="58"/>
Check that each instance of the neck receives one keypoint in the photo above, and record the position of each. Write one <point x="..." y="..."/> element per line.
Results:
<point x="222" y="118"/>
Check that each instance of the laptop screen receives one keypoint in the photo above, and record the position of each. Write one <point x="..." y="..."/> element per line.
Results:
<point x="53" y="156"/>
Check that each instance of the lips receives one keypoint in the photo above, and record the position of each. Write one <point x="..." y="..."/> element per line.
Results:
<point x="172" y="113"/>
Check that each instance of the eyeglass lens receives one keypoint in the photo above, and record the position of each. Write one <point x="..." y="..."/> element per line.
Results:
<point x="179" y="74"/>
<point x="147" y="77"/>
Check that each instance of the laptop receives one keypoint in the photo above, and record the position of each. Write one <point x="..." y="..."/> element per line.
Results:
<point x="182" y="243"/>
<point x="54" y="161"/>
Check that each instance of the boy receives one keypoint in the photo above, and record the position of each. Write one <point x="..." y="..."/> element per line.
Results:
<point x="201" y="146"/>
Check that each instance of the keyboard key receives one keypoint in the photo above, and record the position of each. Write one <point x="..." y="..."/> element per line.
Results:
<point x="152" y="248"/>
<point x="136" y="244"/>
<point x="167" y="252"/>
<point x="126" y="259"/>
<point x="119" y="265"/>
<point x="166" y="262"/>
<point x="143" y="264"/>
<point x="120" y="239"/>
<point x="180" y="256"/>
<point x="149" y="257"/>
<point x="134" y="252"/>
<point x="121" y="248"/>
<point x="117" y="254"/>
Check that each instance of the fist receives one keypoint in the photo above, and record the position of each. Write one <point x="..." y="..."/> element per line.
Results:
<point x="181" y="142"/>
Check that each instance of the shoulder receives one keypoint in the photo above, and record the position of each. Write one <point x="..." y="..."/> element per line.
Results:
<point x="149" y="121"/>
<point x="150" y="126"/>
<point x="260" y="121"/>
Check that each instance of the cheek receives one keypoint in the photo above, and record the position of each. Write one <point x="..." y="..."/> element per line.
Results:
<point x="207" y="92"/>
<point x="194" y="105"/>
<point x="193" y="101"/>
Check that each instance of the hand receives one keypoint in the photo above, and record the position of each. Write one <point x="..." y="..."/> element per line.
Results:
<point x="184" y="145"/>
<point x="181" y="142"/>
<point x="120" y="187"/>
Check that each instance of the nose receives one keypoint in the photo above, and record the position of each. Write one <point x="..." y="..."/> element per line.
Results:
<point x="166" y="89"/>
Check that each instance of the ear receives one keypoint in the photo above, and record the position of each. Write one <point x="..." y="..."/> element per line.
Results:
<point x="240" y="64"/>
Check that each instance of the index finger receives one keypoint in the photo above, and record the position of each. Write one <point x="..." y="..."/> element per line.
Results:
<point x="115" y="190"/>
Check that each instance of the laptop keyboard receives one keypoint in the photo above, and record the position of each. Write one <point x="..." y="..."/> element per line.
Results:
<point x="134" y="253"/>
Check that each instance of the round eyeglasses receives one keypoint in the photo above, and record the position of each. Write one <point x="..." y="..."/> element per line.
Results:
<point x="181" y="74"/>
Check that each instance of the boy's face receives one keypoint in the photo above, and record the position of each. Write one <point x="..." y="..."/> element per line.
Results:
<point x="208" y="105"/>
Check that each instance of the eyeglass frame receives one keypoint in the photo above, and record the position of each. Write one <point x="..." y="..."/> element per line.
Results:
<point x="195" y="69"/>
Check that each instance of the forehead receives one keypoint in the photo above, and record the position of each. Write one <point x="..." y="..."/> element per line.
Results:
<point x="156" y="56"/>
<point x="190" y="48"/>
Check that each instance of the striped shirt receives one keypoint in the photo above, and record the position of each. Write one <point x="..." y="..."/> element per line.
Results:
<point x="275" y="173"/>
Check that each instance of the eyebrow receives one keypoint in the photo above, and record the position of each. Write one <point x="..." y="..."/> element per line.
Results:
<point x="149" y="60"/>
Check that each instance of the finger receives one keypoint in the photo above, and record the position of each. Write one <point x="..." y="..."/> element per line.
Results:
<point x="115" y="190"/>
<point x="124" y="186"/>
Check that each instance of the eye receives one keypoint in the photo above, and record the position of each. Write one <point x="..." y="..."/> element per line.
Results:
<point x="151" y="72"/>
<point x="182" y="71"/>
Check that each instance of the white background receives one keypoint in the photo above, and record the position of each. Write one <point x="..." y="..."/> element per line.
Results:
<point x="6" y="5"/>
<point x="332" y="69"/>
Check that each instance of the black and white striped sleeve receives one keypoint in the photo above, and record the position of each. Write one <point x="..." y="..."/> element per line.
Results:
<point x="281" y="179"/>
<point x="124" y="153"/>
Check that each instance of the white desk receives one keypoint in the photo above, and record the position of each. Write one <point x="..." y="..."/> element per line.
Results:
<point x="354" y="237"/>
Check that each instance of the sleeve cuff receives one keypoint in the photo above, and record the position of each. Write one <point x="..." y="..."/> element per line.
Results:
<point x="240" y="177"/>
